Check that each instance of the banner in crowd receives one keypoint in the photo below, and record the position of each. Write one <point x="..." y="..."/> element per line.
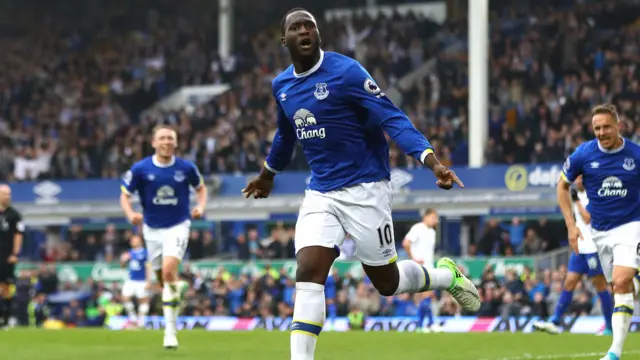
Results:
<point x="578" y="325"/>
<point x="495" y="177"/>
<point x="113" y="272"/>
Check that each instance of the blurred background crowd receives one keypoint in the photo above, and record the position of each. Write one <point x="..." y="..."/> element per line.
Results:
<point x="499" y="237"/>
<point x="40" y="295"/>
<point x="77" y="77"/>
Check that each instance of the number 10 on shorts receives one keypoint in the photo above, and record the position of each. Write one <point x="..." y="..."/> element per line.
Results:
<point x="385" y="235"/>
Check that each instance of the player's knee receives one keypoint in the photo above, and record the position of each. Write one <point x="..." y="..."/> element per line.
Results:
<point x="169" y="275"/>
<point x="386" y="288"/>
<point x="310" y="273"/>
<point x="622" y="284"/>
<point x="600" y="283"/>
<point x="570" y="283"/>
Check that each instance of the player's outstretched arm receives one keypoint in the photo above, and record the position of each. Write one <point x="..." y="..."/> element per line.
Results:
<point x="128" y="187"/>
<point x="365" y="93"/>
<point x="570" y="171"/>
<point x="277" y="160"/>
<point x="197" y="182"/>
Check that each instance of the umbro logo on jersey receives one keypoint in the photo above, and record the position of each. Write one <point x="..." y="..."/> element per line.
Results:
<point x="283" y="97"/>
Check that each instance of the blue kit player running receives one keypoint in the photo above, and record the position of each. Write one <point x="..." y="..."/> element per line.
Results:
<point x="331" y="105"/>
<point x="585" y="262"/>
<point x="163" y="182"/>
<point x="139" y="282"/>
<point x="611" y="178"/>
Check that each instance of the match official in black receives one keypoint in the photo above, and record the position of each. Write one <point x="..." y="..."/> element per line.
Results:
<point x="11" y="233"/>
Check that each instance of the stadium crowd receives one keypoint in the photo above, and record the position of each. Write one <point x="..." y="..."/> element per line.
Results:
<point x="40" y="295"/>
<point x="72" y="98"/>
<point x="516" y="236"/>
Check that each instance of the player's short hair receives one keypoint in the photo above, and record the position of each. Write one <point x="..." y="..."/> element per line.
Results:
<point x="284" y="18"/>
<point x="163" y="126"/>
<point x="429" y="211"/>
<point x="609" y="109"/>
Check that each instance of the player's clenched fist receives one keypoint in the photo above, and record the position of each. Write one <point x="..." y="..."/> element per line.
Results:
<point x="135" y="218"/>
<point x="446" y="177"/>
<point x="574" y="235"/>
<point x="260" y="187"/>
<point x="197" y="212"/>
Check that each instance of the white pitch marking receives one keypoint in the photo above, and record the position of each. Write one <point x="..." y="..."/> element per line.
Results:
<point x="527" y="356"/>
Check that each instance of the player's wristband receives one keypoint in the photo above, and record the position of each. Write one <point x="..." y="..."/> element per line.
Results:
<point x="270" y="169"/>
<point x="424" y="155"/>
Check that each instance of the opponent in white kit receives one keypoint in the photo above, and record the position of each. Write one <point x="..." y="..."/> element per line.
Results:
<point x="163" y="182"/>
<point x="585" y="262"/>
<point x="332" y="106"/>
<point x="138" y="283"/>
<point x="611" y="177"/>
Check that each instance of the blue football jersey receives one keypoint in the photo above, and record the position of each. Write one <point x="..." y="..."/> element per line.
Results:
<point x="339" y="115"/>
<point x="164" y="190"/>
<point x="612" y="181"/>
<point x="137" y="261"/>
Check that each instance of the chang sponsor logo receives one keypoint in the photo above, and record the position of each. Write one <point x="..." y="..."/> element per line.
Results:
<point x="306" y="125"/>
<point x="165" y="195"/>
<point x="612" y="187"/>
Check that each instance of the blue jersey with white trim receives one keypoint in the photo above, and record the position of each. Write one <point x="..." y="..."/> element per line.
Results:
<point x="611" y="181"/>
<point x="164" y="190"/>
<point x="339" y="115"/>
<point x="137" y="261"/>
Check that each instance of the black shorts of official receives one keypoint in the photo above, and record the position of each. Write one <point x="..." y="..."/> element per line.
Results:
<point x="7" y="272"/>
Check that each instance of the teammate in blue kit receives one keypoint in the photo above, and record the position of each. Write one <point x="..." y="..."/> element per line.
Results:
<point x="610" y="175"/>
<point x="139" y="282"/>
<point x="331" y="105"/>
<point x="586" y="262"/>
<point x="163" y="182"/>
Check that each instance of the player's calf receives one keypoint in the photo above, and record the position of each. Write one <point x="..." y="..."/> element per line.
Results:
<point x="170" y="300"/>
<point x="314" y="263"/>
<point x="409" y="277"/>
<point x="623" y="307"/>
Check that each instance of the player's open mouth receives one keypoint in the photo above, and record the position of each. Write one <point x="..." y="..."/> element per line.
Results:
<point x="306" y="44"/>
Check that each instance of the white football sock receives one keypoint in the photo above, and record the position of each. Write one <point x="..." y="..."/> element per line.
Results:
<point x="308" y="320"/>
<point x="169" y="304"/>
<point x="130" y="309"/>
<point x="416" y="278"/>
<point x="620" y="321"/>
<point x="143" y="310"/>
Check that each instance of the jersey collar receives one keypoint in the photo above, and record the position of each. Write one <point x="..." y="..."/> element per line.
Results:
<point x="161" y="165"/>
<point x="612" y="151"/>
<point x="313" y="69"/>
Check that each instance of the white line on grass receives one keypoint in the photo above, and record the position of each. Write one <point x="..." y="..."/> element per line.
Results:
<point x="557" y="356"/>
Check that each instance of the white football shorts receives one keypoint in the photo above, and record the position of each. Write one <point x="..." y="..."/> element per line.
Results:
<point x="133" y="288"/>
<point x="171" y="241"/>
<point x="619" y="246"/>
<point x="363" y="211"/>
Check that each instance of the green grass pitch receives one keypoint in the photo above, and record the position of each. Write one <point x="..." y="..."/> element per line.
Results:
<point x="97" y="344"/>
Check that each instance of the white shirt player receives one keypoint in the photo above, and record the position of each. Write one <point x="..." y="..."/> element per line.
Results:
<point x="423" y="243"/>
<point x="586" y="245"/>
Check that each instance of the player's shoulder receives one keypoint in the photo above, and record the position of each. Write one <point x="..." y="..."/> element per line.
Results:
<point x="587" y="147"/>
<point x="13" y="211"/>
<point x="338" y="62"/>
<point x="418" y="226"/>
<point x="632" y="146"/>
<point x="334" y="62"/>
<point x="184" y="163"/>
<point x="281" y="79"/>
<point x="142" y="164"/>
